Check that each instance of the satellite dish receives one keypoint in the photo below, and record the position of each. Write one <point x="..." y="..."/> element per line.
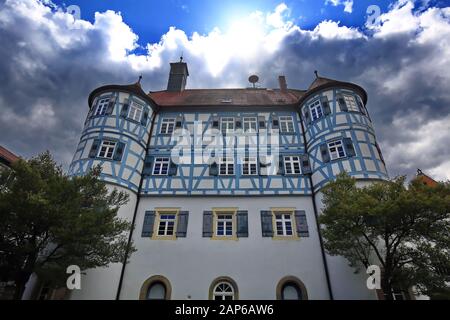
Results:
<point x="253" y="79"/>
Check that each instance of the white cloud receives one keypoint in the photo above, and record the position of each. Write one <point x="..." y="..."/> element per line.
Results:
<point x="348" y="4"/>
<point x="53" y="61"/>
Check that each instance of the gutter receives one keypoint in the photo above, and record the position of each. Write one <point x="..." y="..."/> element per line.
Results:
<point x="316" y="214"/>
<point x="138" y="197"/>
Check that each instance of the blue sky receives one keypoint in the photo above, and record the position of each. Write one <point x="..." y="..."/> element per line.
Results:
<point x="57" y="60"/>
<point x="151" y="19"/>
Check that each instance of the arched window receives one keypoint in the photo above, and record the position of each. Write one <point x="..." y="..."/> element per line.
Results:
<point x="291" y="291"/>
<point x="156" y="288"/>
<point x="156" y="291"/>
<point x="223" y="291"/>
<point x="223" y="288"/>
<point x="291" y="288"/>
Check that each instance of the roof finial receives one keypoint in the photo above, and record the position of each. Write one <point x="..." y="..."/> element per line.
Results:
<point x="316" y="73"/>
<point x="419" y="172"/>
<point x="140" y="78"/>
<point x="181" y="57"/>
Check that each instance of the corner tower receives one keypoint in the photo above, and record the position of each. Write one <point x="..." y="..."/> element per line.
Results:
<point x="339" y="136"/>
<point x="115" y="136"/>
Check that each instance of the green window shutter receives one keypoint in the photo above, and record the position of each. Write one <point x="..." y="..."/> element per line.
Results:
<point x="266" y="223"/>
<point x="349" y="149"/>
<point x="124" y="111"/>
<point x="145" y="117"/>
<point x="207" y="224"/>
<point x="325" y="106"/>
<point x="261" y="122"/>
<point x="213" y="169"/>
<point x="182" y="223"/>
<point x="242" y="223"/>
<point x="305" y="164"/>
<point x="148" y="165"/>
<point x="215" y="123"/>
<point x="275" y="122"/>
<point x="147" y="227"/>
<point x="237" y="123"/>
<point x="342" y="104"/>
<point x="111" y="105"/>
<point x="172" y="169"/>
<point x="307" y="116"/>
<point x="324" y="152"/>
<point x="302" y="225"/>
<point x="119" y="151"/>
<point x="94" y="148"/>
<point x="178" y="122"/>
<point x="281" y="165"/>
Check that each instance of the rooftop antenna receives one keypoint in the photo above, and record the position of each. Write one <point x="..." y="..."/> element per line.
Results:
<point x="316" y="73"/>
<point x="253" y="79"/>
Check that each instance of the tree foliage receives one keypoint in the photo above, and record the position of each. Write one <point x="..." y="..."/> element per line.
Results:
<point x="403" y="228"/>
<point x="49" y="221"/>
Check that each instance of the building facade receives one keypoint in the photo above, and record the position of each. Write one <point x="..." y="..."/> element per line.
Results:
<point x="225" y="187"/>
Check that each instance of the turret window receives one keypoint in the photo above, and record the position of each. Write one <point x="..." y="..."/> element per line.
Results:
<point x="102" y="106"/>
<point x="316" y="110"/>
<point x="286" y="124"/>
<point x="336" y="149"/>
<point x="351" y="103"/>
<point x="107" y="149"/>
<point x="135" y="111"/>
<point x="167" y="125"/>
<point x="161" y="166"/>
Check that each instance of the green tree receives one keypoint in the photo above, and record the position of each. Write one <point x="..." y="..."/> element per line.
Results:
<point x="49" y="221"/>
<point x="402" y="228"/>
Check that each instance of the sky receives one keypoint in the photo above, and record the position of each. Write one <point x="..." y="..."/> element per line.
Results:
<point x="50" y="60"/>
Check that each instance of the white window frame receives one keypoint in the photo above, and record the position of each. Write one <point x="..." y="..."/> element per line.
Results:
<point x="250" y="124"/>
<point x="293" y="163"/>
<point x="102" y="106"/>
<point x="223" y="294"/>
<point x="316" y="110"/>
<point x="226" y="220"/>
<point x="167" y="222"/>
<point x="351" y="102"/>
<point x="135" y="111"/>
<point x="167" y="126"/>
<point x="284" y="221"/>
<point x="225" y="162"/>
<point x="163" y="168"/>
<point x="249" y="166"/>
<point x="107" y="149"/>
<point x="336" y="149"/>
<point x="226" y="124"/>
<point x="286" y="124"/>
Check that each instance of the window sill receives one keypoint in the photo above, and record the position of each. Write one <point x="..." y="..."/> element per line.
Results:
<point x="290" y="238"/>
<point x="225" y="238"/>
<point x="174" y="237"/>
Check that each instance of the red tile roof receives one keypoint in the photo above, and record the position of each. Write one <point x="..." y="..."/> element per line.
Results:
<point x="224" y="97"/>
<point x="7" y="156"/>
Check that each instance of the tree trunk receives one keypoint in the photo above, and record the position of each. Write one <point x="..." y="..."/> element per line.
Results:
<point x="21" y="281"/>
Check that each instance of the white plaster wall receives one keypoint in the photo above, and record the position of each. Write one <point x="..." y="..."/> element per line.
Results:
<point x="345" y="284"/>
<point x="256" y="263"/>
<point x="102" y="283"/>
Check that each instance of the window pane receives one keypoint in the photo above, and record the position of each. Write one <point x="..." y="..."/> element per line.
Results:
<point x="290" y="292"/>
<point x="156" y="291"/>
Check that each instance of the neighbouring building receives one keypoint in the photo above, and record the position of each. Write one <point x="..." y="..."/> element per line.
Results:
<point x="225" y="187"/>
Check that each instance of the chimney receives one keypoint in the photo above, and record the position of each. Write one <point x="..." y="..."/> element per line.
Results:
<point x="177" y="76"/>
<point x="283" y="84"/>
